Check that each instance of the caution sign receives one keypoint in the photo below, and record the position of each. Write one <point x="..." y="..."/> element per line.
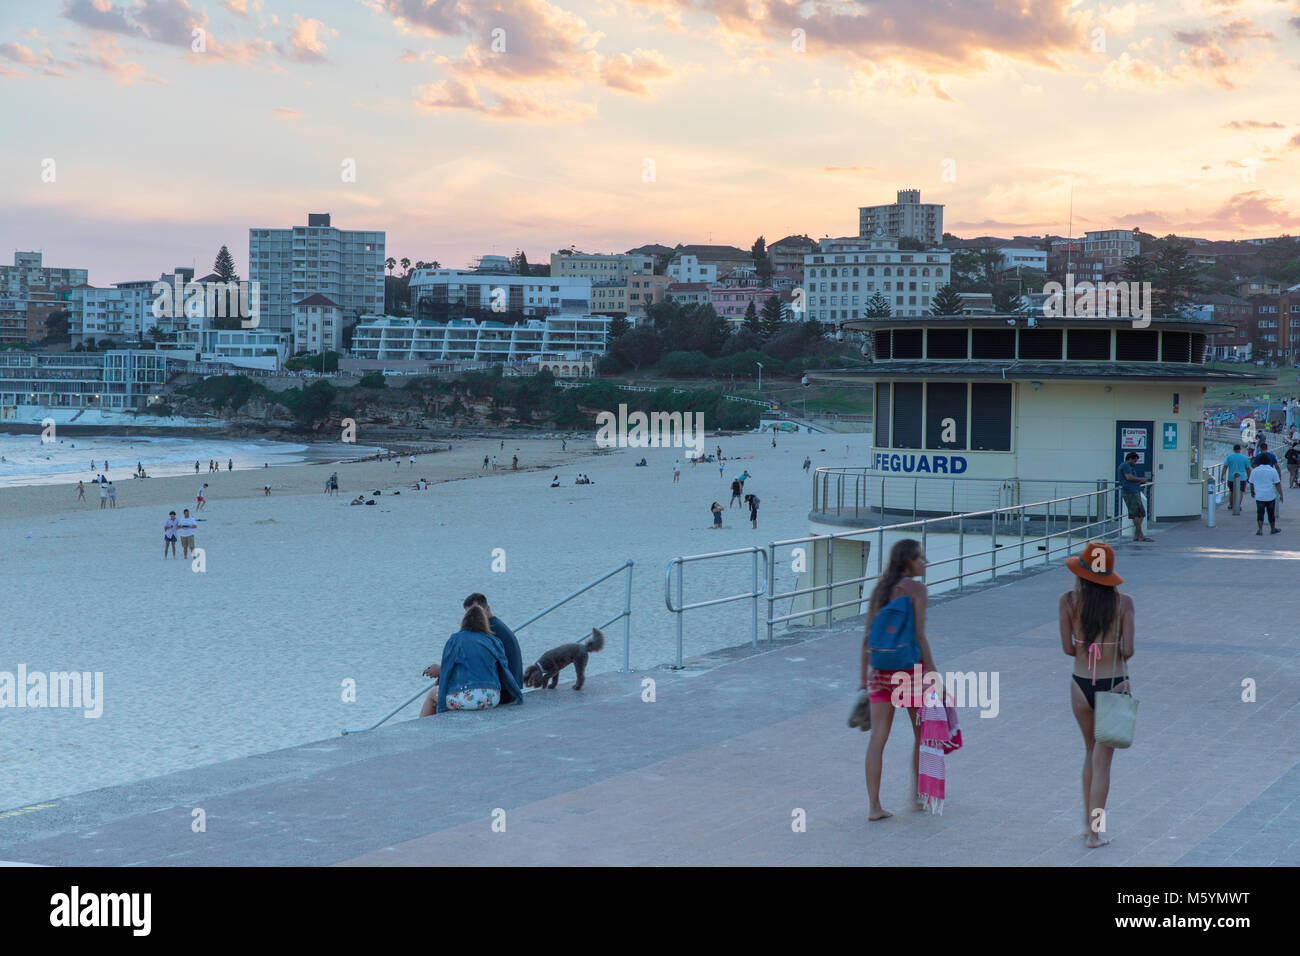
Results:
<point x="1133" y="439"/>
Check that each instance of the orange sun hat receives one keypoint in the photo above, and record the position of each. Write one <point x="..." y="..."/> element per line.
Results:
<point x="1096" y="563"/>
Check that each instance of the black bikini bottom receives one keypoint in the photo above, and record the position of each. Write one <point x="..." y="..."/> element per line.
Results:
<point x="1090" y="689"/>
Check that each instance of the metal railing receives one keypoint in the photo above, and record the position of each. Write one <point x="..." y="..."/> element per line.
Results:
<point x="1064" y="523"/>
<point x="757" y="587"/>
<point x="624" y="615"/>
<point x="861" y="492"/>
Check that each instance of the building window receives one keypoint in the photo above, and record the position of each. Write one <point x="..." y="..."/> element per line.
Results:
<point x="945" y="414"/>
<point x="990" y="417"/>
<point x="881" y="423"/>
<point x="907" y="415"/>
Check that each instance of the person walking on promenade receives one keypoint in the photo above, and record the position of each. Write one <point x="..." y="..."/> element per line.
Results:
<point x="1264" y="456"/>
<point x="1293" y="463"/>
<point x="1266" y="489"/>
<point x="1096" y="626"/>
<point x="1235" y="469"/>
<point x="896" y="686"/>
<point x="1131" y="482"/>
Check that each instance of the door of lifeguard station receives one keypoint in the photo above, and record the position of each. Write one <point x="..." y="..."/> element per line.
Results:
<point x="1136" y="437"/>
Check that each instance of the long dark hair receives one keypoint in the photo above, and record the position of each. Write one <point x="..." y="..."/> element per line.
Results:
<point x="1095" y="607"/>
<point x="476" y="619"/>
<point x="901" y="555"/>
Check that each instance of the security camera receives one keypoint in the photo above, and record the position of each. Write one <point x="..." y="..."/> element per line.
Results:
<point x="1011" y="321"/>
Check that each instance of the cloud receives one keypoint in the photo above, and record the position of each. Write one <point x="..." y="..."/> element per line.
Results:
<point x="458" y="94"/>
<point x="1294" y="142"/>
<point x="42" y="61"/>
<point x="629" y="73"/>
<point x="100" y="15"/>
<point x="1221" y="55"/>
<point x="1248" y="211"/>
<point x="307" y="41"/>
<point x="285" y="112"/>
<point x="105" y="54"/>
<point x="847" y="169"/>
<point x="1253" y="124"/>
<point x="239" y="8"/>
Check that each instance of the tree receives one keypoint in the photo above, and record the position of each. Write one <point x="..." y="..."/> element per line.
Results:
<point x="771" y="316"/>
<point x="751" y="319"/>
<point x="224" y="266"/>
<point x="56" y="327"/>
<point x="639" y="347"/>
<point x="406" y="264"/>
<point x="1006" y="299"/>
<point x="391" y="263"/>
<point x="878" y="307"/>
<point x="619" y="326"/>
<point x="946" y="302"/>
<point x="762" y="264"/>
<point x="1136" y="268"/>
<point x="521" y="261"/>
<point x="1174" y="276"/>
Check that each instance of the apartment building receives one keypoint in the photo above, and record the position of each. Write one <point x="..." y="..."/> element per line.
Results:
<point x="116" y="379"/>
<point x="406" y="339"/>
<point x="347" y="266"/>
<point x="906" y="217"/>
<point x="788" y="253"/>
<point x="609" y="298"/>
<point x="1111" y="246"/>
<point x="599" y="267"/>
<point x="688" y="293"/>
<point x="733" y="302"/>
<point x="531" y="295"/>
<point x="1023" y="258"/>
<point x="317" y="325"/>
<point x="843" y="274"/>
<point x="688" y="268"/>
<point x="722" y="258"/>
<point x="644" y="290"/>
<point x="126" y="312"/>
<point x="28" y="289"/>
<point x="1231" y="309"/>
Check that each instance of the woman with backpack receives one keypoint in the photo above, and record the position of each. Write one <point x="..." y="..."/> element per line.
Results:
<point x="1096" y="623"/>
<point x="890" y="651"/>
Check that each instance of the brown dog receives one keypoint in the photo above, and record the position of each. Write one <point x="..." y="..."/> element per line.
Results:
<point x="550" y="664"/>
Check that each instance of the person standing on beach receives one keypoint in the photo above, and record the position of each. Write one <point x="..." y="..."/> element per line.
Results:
<point x="112" y="495"/>
<point x="807" y="462"/>
<point x="412" y="462"/>
<point x="736" y="489"/>
<point x="677" y="471"/>
<point x="721" y="466"/>
<point x="514" y="463"/>
<point x="752" y="501"/>
<point x="81" y="491"/>
<point x="1095" y="615"/>
<point x="196" y="468"/>
<point x="103" y="495"/>
<point x="230" y="464"/>
<point x="485" y="462"/>
<point x="169" y="534"/>
<point x="201" y="497"/>
<point x="185" y="530"/>
<point x="717" y="516"/>
<point x="564" y="445"/>
<point x="494" y="462"/>
<point x="888" y="689"/>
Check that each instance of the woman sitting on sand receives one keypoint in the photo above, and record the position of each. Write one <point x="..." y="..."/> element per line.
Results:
<point x="474" y="673"/>
<point x="358" y="500"/>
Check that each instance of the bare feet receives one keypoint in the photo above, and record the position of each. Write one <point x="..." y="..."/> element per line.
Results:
<point x="878" y="813"/>
<point x="1096" y="840"/>
<point x="918" y="803"/>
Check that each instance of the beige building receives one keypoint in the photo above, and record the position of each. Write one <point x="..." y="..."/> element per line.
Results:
<point x="908" y="217"/>
<point x="317" y="325"/>
<point x="645" y="289"/>
<point x="599" y="267"/>
<point x="1111" y="246"/>
<point x="609" y="298"/>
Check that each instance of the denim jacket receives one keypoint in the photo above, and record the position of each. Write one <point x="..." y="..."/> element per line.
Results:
<point x="509" y="643"/>
<point x="471" y="659"/>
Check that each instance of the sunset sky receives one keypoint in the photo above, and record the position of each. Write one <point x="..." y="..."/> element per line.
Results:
<point x="481" y="127"/>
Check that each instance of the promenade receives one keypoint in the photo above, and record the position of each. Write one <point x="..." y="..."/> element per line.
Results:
<point x="713" y="770"/>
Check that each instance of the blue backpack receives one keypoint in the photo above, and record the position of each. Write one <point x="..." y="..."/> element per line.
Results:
<point x="892" y="638"/>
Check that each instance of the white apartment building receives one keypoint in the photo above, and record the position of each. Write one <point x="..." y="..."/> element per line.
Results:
<point x="600" y="268"/>
<point x="317" y="325"/>
<point x="291" y="264"/>
<point x="1022" y="257"/>
<point x="531" y="295"/>
<point x="842" y="275"/>
<point x="242" y="348"/>
<point x="688" y="269"/>
<point x="907" y="217"/>
<point x="380" y="337"/>
<point x="1111" y="246"/>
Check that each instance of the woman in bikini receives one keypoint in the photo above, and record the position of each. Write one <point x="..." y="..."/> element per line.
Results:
<point x="1097" y="631"/>
<point x="906" y="562"/>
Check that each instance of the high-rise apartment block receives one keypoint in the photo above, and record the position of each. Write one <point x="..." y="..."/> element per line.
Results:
<point x="906" y="218"/>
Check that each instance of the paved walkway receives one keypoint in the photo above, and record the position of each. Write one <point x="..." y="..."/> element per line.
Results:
<point x="714" y="770"/>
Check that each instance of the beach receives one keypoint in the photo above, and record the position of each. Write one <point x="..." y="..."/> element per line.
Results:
<point x="304" y="596"/>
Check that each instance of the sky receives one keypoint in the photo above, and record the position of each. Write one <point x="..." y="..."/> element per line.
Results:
<point x="140" y="135"/>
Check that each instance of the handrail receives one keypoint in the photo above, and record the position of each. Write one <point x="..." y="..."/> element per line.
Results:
<point x="758" y="586"/>
<point x="625" y="615"/>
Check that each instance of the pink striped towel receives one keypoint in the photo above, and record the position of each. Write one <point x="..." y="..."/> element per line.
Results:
<point x="940" y="735"/>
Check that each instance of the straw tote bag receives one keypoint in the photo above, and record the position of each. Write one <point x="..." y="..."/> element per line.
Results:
<point x="1116" y="714"/>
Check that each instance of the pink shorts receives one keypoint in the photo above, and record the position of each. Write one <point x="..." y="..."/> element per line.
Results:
<point x="881" y="685"/>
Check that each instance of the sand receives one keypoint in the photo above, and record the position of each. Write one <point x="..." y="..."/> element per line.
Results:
<point x="303" y="593"/>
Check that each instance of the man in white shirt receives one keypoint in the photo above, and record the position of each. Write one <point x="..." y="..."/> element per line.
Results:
<point x="185" y="527"/>
<point x="1266" y="488"/>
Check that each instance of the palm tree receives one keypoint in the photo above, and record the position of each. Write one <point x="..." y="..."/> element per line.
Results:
<point x="406" y="264"/>
<point x="391" y="263"/>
